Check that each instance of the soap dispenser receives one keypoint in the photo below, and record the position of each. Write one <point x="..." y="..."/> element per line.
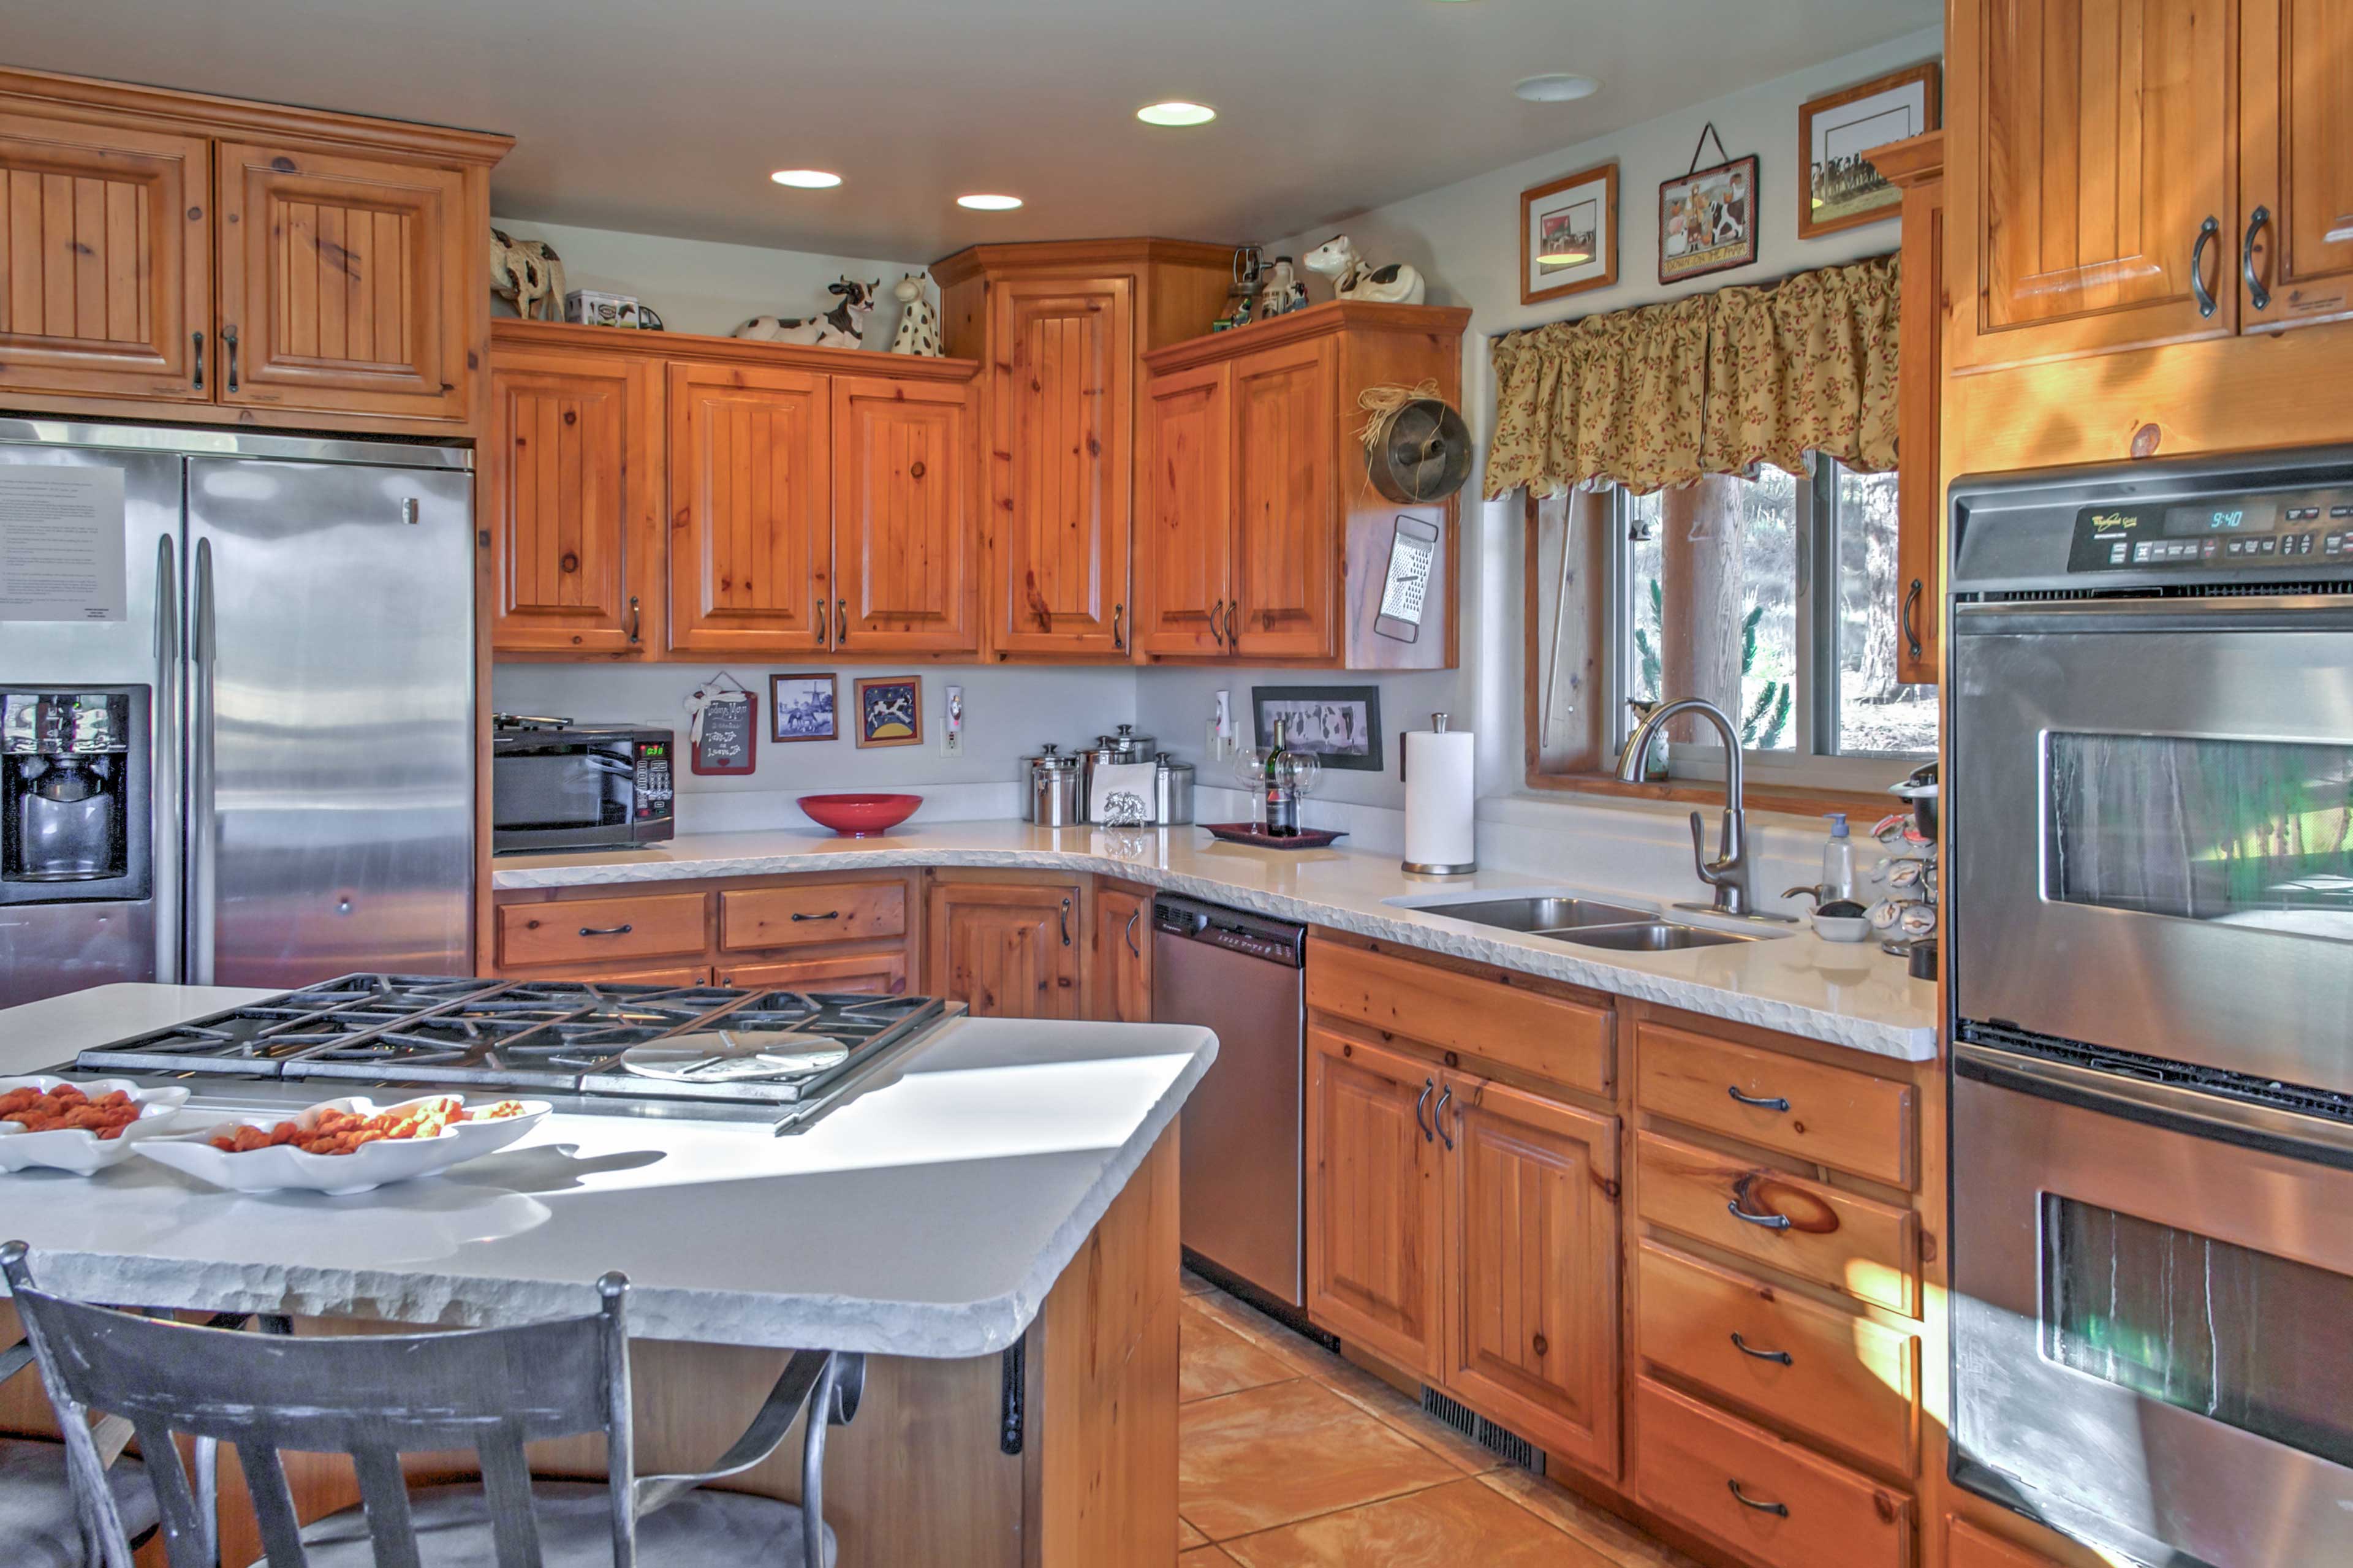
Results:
<point x="1838" y="861"/>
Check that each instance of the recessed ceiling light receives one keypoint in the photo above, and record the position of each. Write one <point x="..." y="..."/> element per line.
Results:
<point x="988" y="204"/>
<point x="806" y="179"/>
<point x="1554" y="87"/>
<point x="1175" y="111"/>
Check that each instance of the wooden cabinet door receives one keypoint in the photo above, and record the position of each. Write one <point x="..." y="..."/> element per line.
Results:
<point x="1185" y="542"/>
<point x="2096" y="142"/>
<point x="2295" y="156"/>
<point x="572" y="493"/>
<point x="1532" y="1228"/>
<point x="344" y="283"/>
<point x="1919" y="409"/>
<point x="1007" y="950"/>
<point x="903" y="548"/>
<point x="106" y="276"/>
<point x="1374" y="1215"/>
<point x="1061" y="395"/>
<point x="1286" y="544"/>
<point x="751" y="499"/>
<point x="1120" y="983"/>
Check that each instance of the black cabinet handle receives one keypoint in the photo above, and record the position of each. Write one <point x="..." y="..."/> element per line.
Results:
<point x="229" y="341"/>
<point x="828" y="915"/>
<point x="1133" y="916"/>
<point x="822" y="638"/>
<point x="1781" y="1510"/>
<point x="841" y="622"/>
<point x="636" y="621"/>
<point x="1773" y="1103"/>
<point x="2209" y="229"/>
<point x="198" y="382"/>
<point x="1438" y="1115"/>
<point x="1215" y="611"/>
<point x="2257" y="295"/>
<point x="607" y="931"/>
<point x="1744" y="1348"/>
<point x="1066" y="922"/>
<point x="1769" y="1221"/>
<point x="1911" y="615"/>
<point x="1119" y="627"/>
<point x="1429" y="1088"/>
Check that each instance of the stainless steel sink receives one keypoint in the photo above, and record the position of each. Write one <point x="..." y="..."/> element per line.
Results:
<point x="1651" y="936"/>
<point x="1540" y="916"/>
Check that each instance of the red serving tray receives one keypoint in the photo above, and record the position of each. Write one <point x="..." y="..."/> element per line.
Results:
<point x="1258" y="837"/>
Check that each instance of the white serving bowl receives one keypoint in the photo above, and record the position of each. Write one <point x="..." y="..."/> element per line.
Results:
<point x="75" y="1149"/>
<point x="1842" y="927"/>
<point x="284" y="1167"/>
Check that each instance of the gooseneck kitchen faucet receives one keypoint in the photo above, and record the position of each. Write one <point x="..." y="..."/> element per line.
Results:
<point x="1731" y="872"/>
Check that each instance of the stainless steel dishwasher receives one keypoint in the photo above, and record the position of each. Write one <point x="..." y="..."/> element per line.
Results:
<point x="1241" y="1183"/>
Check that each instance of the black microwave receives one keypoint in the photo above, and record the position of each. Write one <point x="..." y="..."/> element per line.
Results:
<point x="555" y="785"/>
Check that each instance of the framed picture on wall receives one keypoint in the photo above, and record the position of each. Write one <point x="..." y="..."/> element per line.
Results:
<point x="1339" y="725"/>
<point x="1835" y="135"/>
<point x="890" y="711"/>
<point x="800" y="708"/>
<point x="1707" y="219"/>
<point x="1568" y="235"/>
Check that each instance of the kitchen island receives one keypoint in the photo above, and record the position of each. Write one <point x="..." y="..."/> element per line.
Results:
<point x="1011" y="1189"/>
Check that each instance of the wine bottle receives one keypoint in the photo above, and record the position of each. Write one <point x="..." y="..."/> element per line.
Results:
<point x="1282" y="800"/>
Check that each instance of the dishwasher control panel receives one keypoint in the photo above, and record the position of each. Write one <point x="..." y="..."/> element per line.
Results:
<point x="1236" y="930"/>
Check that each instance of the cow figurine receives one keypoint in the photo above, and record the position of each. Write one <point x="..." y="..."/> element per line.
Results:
<point x="1337" y="259"/>
<point x="526" y="274"/>
<point x="843" y="327"/>
<point x="919" y="324"/>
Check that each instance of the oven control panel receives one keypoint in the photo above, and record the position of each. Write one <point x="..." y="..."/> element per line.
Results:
<point x="2216" y="533"/>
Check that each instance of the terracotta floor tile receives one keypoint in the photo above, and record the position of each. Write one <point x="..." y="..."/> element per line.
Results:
<point x="1616" y="1541"/>
<point x="1216" y="1360"/>
<point x="1442" y="1527"/>
<point x="1187" y="1537"/>
<point x="1285" y="1451"/>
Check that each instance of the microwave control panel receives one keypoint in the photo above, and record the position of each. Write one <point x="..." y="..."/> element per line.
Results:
<point x="653" y="780"/>
<point x="2216" y="533"/>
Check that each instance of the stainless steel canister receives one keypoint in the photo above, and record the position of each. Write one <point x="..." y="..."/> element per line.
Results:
<point x="1029" y="777"/>
<point x="1172" y="790"/>
<point x="1054" y="786"/>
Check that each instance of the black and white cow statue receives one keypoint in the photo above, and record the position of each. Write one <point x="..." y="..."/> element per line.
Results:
<point x="843" y="327"/>
<point x="1337" y="259"/>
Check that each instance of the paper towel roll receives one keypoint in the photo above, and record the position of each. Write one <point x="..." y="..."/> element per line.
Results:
<point x="1439" y="800"/>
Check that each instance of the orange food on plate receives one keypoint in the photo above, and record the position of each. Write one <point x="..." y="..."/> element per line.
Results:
<point x="342" y="1131"/>
<point x="68" y="1107"/>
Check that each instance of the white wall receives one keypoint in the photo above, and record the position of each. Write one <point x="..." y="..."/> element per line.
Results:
<point x="1465" y="239"/>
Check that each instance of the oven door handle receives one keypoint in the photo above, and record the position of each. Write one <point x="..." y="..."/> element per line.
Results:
<point x="2189" y="1111"/>
<point x="2283" y="612"/>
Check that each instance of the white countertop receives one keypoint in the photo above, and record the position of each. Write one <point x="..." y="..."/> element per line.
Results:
<point x="928" y="1217"/>
<point x="1846" y="993"/>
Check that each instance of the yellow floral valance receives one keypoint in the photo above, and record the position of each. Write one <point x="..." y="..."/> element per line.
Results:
<point x="1711" y="384"/>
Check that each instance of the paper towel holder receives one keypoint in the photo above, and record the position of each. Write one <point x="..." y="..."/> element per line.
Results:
<point x="1437" y="722"/>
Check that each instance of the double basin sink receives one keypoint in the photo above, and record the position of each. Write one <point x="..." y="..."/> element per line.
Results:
<point x="1587" y="923"/>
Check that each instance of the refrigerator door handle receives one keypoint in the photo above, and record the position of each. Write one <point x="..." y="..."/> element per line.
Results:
<point x="165" y="796"/>
<point x="204" y="835"/>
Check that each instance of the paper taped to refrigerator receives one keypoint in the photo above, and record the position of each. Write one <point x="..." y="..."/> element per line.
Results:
<point x="61" y="543"/>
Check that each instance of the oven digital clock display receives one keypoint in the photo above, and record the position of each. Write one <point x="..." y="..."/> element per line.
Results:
<point x="2223" y="531"/>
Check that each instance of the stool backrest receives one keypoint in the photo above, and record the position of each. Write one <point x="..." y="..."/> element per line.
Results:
<point x="372" y="1397"/>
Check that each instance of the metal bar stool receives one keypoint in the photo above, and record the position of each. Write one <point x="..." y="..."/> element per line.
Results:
<point x="378" y="1396"/>
<point x="40" y="1525"/>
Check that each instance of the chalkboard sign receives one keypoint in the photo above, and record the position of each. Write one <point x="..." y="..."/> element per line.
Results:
<point x="729" y="740"/>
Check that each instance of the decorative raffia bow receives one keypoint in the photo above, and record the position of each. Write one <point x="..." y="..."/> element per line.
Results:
<point x="1383" y="404"/>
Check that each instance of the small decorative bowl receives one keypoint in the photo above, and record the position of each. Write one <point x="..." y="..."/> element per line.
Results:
<point x="75" y="1149"/>
<point x="1842" y="926"/>
<point x="284" y="1167"/>
<point x="860" y="815"/>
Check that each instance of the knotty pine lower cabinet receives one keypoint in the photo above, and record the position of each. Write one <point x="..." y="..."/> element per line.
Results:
<point x="1119" y="980"/>
<point x="1467" y="1232"/>
<point x="1008" y="950"/>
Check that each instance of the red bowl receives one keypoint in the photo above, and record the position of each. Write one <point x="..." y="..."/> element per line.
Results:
<point x="859" y="816"/>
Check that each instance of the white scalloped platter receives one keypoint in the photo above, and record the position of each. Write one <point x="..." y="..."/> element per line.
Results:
<point x="77" y="1149"/>
<point x="282" y="1167"/>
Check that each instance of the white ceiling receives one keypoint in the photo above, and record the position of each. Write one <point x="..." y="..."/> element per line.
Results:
<point x="666" y="116"/>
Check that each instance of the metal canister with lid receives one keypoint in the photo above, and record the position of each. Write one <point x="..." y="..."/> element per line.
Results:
<point x="1172" y="790"/>
<point x="1048" y="755"/>
<point x="1053" y="798"/>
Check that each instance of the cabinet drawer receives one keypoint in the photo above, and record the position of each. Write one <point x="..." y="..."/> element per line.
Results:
<point x="585" y="932"/>
<point x="1843" y="1378"/>
<point x="1821" y="1114"/>
<point x="1501" y="1019"/>
<point x="1802" y="1510"/>
<point x="805" y="913"/>
<point x="879" y="973"/>
<point x="602" y="975"/>
<point x="1867" y="1249"/>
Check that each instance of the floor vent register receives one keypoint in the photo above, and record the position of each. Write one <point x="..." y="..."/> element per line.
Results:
<point x="1483" y="1432"/>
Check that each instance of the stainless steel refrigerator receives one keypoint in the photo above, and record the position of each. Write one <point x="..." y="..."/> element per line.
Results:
<point x="292" y="648"/>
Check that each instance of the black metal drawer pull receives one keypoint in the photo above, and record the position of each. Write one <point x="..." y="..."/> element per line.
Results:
<point x="1774" y="1102"/>
<point x="1744" y="1348"/>
<point x="828" y="915"/>
<point x="1429" y="1088"/>
<point x="1769" y="1221"/>
<point x="199" y="383"/>
<point x="607" y="931"/>
<point x="1438" y="1115"/>
<point x="1781" y="1510"/>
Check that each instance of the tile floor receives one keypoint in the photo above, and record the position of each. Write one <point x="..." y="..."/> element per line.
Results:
<point x="1291" y="1456"/>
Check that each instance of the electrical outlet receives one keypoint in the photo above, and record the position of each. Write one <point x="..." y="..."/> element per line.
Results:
<point x="952" y="731"/>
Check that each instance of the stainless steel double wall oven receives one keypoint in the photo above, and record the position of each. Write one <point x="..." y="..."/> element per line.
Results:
<point x="2151" y="825"/>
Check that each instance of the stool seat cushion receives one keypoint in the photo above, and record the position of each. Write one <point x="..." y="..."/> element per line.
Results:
<point x="38" y="1527"/>
<point x="576" y="1530"/>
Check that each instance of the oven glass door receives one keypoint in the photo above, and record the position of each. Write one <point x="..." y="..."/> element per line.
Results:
<point x="2152" y="1330"/>
<point x="2152" y="818"/>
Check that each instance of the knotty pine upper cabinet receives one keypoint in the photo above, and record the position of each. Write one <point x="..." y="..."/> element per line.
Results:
<point x="2296" y="158"/>
<point x="342" y="280"/>
<point x="751" y="496"/>
<point x="571" y="492"/>
<point x="106" y="281"/>
<point x="905" y="554"/>
<point x="252" y="263"/>
<point x="1185" y="529"/>
<point x="1286" y="538"/>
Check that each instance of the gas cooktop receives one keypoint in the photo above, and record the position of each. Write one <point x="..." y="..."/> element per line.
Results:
<point x="798" y="1053"/>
